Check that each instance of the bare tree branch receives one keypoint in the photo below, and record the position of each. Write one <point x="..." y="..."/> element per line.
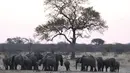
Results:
<point x="61" y="34"/>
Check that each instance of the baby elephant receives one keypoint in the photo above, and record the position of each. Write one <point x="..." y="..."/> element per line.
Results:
<point x="117" y="66"/>
<point x="67" y="65"/>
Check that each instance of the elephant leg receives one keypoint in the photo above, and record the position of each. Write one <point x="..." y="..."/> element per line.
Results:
<point x="22" y="67"/>
<point x="52" y="68"/>
<point x="91" y="68"/>
<point x="102" y="69"/>
<point x="11" y="67"/>
<point x="49" y="68"/>
<point x="82" y="67"/>
<point x="118" y="69"/>
<point x="95" y="69"/>
<point x="67" y="68"/>
<point x="35" y="67"/>
<point x="86" y="68"/>
<point x="99" y="69"/>
<point x="43" y="67"/>
<point x="30" y="67"/>
<point x="106" y="68"/>
<point x="57" y="66"/>
<point x="15" y="67"/>
<point x="6" y="67"/>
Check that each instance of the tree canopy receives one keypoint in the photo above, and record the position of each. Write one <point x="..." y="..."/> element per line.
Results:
<point x="97" y="41"/>
<point x="71" y="20"/>
<point x="20" y="40"/>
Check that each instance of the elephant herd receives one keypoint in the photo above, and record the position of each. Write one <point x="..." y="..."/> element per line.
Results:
<point x="98" y="63"/>
<point x="32" y="61"/>
<point x="51" y="61"/>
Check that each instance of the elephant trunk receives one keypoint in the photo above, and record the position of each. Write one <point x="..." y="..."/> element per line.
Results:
<point x="61" y="61"/>
<point x="76" y="65"/>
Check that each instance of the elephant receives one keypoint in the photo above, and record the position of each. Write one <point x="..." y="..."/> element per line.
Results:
<point x="48" y="61"/>
<point x="34" y="57"/>
<point x="87" y="61"/>
<point x="8" y="62"/>
<point x="18" y="60"/>
<point x="117" y="66"/>
<point x="67" y="65"/>
<point x="51" y="61"/>
<point x="109" y="62"/>
<point x="100" y="63"/>
<point x="50" y="64"/>
<point x="58" y="58"/>
<point x="27" y="63"/>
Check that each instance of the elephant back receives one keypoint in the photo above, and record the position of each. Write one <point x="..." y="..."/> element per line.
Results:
<point x="32" y="57"/>
<point x="50" y="55"/>
<point x="47" y="56"/>
<point x="89" y="60"/>
<point x="109" y="62"/>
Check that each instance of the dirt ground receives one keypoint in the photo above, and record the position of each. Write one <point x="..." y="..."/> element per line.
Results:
<point x="123" y="58"/>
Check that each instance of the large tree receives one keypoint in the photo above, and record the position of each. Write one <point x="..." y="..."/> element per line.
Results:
<point x="71" y="20"/>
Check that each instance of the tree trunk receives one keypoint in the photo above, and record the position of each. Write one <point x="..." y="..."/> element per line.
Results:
<point x="30" y="47"/>
<point x="73" y="44"/>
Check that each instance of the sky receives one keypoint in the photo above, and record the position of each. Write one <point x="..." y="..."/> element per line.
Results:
<point x="21" y="17"/>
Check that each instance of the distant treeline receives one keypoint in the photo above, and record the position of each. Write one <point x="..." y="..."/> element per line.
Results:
<point x="64" y="47"/>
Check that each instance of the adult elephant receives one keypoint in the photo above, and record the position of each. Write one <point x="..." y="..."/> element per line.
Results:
<point x="23" y="61"/>
<point x="34" y="57"/>
<point x="8" y="62"/>
<point x="18" y="60"/>
<point x="100" y="63"/>
<point x="42" y="62"/>
<point x="51" y="61"/>
<point x="27" y="63"/>
<point x="58" y="58"/>
<point x="88" y="61"/>
<point x="109" y="62"/>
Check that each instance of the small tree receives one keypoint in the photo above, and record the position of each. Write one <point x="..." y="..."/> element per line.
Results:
<point x="70" y="20"/>
<point x="97" y="41"/>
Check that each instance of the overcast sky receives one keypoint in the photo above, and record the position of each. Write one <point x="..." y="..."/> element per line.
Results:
<point x="20" y="17"/>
